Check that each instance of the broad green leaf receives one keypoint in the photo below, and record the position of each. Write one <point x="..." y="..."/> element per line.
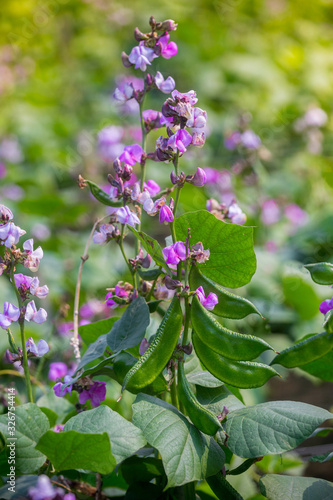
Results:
<point x="89" y="333"/>
<point x="326" y="457"/>
<point x="30" y="424"/>
<point x="321" y="272"/>
<point x="273" y="427"/>
<point x="130" y="329"/>
<point x="76" y="450"/>
<point x="203" y="378"/>
<point x="321" y="368"/>
<point x="215" y="398"/>
<point x="94" y="351"/>
<point x="222" y="488"/>
<point x="51" y="415"/>
<point x="187" y="454"/>
<point x="276" y="487"/>
<point x="60" y="406"/>
<point x="151" y="246"/>
<point x="300" y="295"/>
<point x="229" y="305"/>
<point x="124" y="437"/>
<point x="232" y="261"/>
<point x="149" y="274"/>
<point x="143" y="469"/>
<point x="306" y="351"/>
<point x="101" y="195"/>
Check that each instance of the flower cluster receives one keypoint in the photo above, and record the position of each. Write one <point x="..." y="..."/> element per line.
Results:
<point x="95" y="391"/>
<point x="233" y="212"/>
<point x="45" y="491"/>
<point x="120" y="295"/>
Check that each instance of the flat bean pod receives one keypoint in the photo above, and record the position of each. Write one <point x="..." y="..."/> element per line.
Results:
<point x="230" y="344"/>
<point x="242" y="374"/>
<point x="152" y="363"/>
<point x="230" y="305"/>
<point x="306" y="351"/>
<point x="202" y="418"/>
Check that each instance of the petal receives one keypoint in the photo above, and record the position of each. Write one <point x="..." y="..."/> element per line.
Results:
<point x="42" y="348"/>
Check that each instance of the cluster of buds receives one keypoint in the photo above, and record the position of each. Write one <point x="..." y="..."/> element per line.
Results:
<point x="121" y="295"/>
<point x="232" y="213"/>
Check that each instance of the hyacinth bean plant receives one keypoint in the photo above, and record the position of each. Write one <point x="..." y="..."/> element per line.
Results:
<point x="189" y="422"/>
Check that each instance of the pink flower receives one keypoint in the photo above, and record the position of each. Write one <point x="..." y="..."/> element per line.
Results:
<point x="198" y="118"/>
<point x="198" y="179"/>
<point x="189" y="97"/>
<point x="5" y="214"/>
<point x="143" y="346"/>
<point x="10" y="234"/>
<point x="96" y="393"/>
<point x="125" y="216"/>
<point x="198" y="139"/>
<point x="31" y="313"/>
<point x="250" y="140"/>
<point x="118" y="292"/>
<point x="131" y="154"/>
<point x="296" y="215"/>
<point x="166" y="214"/>
<point x="152" y="119"/>
<point x="168" y="49"/>
<point x="208" y="302"/>
<point x="104" y="234"/>
<point x="10" y="313"/>
<point x="152" y="187"/>
<point x="39" y="350"/>
<point x="232" y="140"/>
<point x="270" y="212"/>
<point x="123" y="93"/>
<point x="165" y="86"/>
<point x="57" y="370"/>
<point x="59" y="428"/>
<point x="180" y="140"/>
<point x="236" y="215"/>
<point x="173" y="254"/>
<point x="141" y="56"/>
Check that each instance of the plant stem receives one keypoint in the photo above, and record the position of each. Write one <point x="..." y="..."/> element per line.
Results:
<point x="18" y="374"/>
<point x="187" y="321"/>
<point x="173" y="388"/>
<point x="24" y="347"/>
<point x="121" y="246"/>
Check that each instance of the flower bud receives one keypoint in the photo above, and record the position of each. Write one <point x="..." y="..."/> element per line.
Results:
<point x="152" y="22"/>
<point x="117" y="166"/>
<point x="172" y="284"/>
<point x="168" y="25"/>
<point x="127" y="172"/>
<point x="198" y="179"/>
<point x="149" y="80"/>
<point x="145" y="263"/>
<point x="173" y="177"/>
<point x="5" y="214"/>
<point x="139" y="36"/>
<point x="125" y="60"/>
<point x="187" y="349"/>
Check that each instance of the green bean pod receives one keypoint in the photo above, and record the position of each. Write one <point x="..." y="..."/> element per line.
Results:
<point x="306" y="351"/>
<point x="230" y="305"/>
<point x="242" y="374"/>
<point x="230" y="344"/>
<point x="202" y="418"/>
<point x="152" y="363"/>
<point x="101" y="195"/>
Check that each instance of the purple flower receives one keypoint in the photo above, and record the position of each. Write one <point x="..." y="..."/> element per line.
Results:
<point x="43" y="489"/>
<point x="189" y="97"/>
<point x="125" y="216"/>
<point x="232" y="140"/>
<point x="166" y="214"/>
<point x="199" y="254"/>
<point x="3" y="171"/>
<point x="250" y="140"/>
<point x="39" y="350"/>
<point x="59" y="427"/>
<point x="315" y="117"/>
<point x="118" y="292"/>
<point x="10" y="313"/>
<point x="58" y="388"/>
<point x="104" y="234"/>
<point x="124" y="93"/>
<point x="5" y="214"/>
<point x="152" y="187"/>
<point x="96" y="393"/>
<point x="235" y="214"/>
<point x="31" y="313"/>
<point x="141" y="56"/>
<point x="168" y="49"/>
<point x="131" y="154"/>
<point x="109" y="142"/>
<point x="165" y="86"/>
<point x="173" y="254"/>
<point x="10" y="150"/>
<point x="10" y="234"/>
<point x="143" y="346"/>
<point x="57" y="370"/>
<point x="208" y="302"/>
<point x="152" y="119"/>
<point x="198" y="139"/>
<point x="180" y="140"/>
<point x="326" y="306"/>
<point x="212" y="175"/>
<point x="198" y="118"/>
<point x="163" y="293"/>
<point x="33" y="257"/>
<point x="198" y="179"/>
<point x="270" y="212"/>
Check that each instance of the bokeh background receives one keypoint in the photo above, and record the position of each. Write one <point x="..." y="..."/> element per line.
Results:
<point x="263" y="65"/>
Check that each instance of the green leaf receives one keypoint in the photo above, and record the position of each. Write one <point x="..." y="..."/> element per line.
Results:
<point x="124" y="437"/>
<point x="30" y="424"/>
<point x="130" y="329"/>
<point x="75" y="450"/>
<point x="229" y="305"/>
<point x="60" y="406"/>
<point x="89" y="333"/>
<point x="51" y="415"/>
<point x="135" y="469"/>
<point x="232" y="260"/>
<point x="328" y="323"/>
<point x="306" y="351"/>
<point x="300" y="295"/>
<point x="271" y="428"/>
<point x="321" y="272"/>
<point x="151" y="246"/>
<point x="94" y="351"/>
<point x="276" y="487"/>
<point x="326" y="457"/>
<point x="149" y="274"/>
<point x="187" y="454"/>
<point x="101" y="195"/>
<point x="22" y="485"/>
<point x="215" y="398"/>
<point x="204" y="378"/>
<point x="321" y="368"/>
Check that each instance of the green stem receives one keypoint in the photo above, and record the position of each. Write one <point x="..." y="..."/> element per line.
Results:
<point x="24" y="347"/>
<point x="187" y="321"/>
<point x="121" y="245"/>
<point x="143" y="171"/>
<point x="173" y="388"/>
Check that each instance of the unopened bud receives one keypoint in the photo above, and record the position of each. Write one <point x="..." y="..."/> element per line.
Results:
<point x="117" y="166"/>
<point x="81" y="182"/>
<point x="173" y="177"/>
<point x="224" y="413"/>
<point x="152" y="22"/>
<point x="162" y="155"/>
<point x="143" y="346"/>
<point x="125" y="60"/>
<point x="198" y="179"/>
<point x="149" y="80"/>
<point x="187" y="349"/>
<point x="172" y="284"/>
<point x="139" y="36"/>
<point x="145" y="263"/>
<point x="168" y="25"/>
<point x="127" y="172"/>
